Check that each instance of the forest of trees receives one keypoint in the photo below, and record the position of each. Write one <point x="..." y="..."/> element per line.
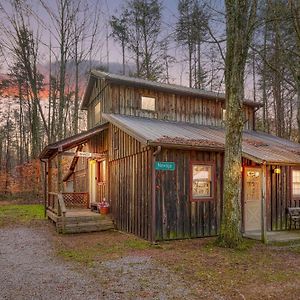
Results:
<point x="48" y="47"/>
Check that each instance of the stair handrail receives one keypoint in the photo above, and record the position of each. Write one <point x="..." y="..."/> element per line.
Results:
<point x="61" y="205"/>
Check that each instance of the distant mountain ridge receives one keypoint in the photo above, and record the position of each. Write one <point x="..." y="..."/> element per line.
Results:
<point x="84" y="68"/>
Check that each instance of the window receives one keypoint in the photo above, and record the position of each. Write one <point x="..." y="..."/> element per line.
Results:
<point x="148" y="103"/>
<point x="201" y="181"/>
<point x="223" y="114"/>
<point x="97" y="112"/>
<point x="296" y="183"/>
<point x="101" y="171"/>
<point x="116" y="140"/>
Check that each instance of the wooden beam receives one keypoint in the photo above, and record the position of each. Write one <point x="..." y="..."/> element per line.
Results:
<point x="90" y="154"/>
<point x="263" y="204"/>
<point x="49" y="178"/>
<point x="73" y="164"/>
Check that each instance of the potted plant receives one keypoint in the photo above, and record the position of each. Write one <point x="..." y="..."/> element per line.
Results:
<point x="103" y="207"/>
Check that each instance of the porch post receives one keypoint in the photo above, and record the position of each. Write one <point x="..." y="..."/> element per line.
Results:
<point x="59" y="171"/>
<point x="263" y="204"/>
<point x="49" y="178"/>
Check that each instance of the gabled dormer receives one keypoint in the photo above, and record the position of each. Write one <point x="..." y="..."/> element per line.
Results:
<point x="111" y="93"/>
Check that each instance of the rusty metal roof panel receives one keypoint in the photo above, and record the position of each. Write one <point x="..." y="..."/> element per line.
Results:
<point x="257" y="145"/>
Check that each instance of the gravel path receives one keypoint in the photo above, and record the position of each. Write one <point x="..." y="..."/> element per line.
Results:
<point x="30" y="270"/>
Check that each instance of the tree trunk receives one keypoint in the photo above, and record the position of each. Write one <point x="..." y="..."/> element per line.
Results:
<point x="190" y="66"/>
<point x="76" y="100"/>
<point x="240" y="16"/>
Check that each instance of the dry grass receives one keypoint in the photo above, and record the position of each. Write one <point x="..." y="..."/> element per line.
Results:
<point x="256" y="272"/>
<point x="20" y="214"/>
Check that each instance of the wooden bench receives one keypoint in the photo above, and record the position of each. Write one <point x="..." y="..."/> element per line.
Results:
<point x="294" y="214"/>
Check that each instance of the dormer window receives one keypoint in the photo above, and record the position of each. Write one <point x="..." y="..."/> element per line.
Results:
<point x="223" y="114"/>
<point x="97" y="112"/>
<point x="148" y="103"/>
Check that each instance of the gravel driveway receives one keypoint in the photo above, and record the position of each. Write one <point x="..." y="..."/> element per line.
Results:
<point x="29" y="269"/>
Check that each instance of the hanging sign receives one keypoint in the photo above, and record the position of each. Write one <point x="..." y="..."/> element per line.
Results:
<point x="164" y="166"/>
<point x="89" y="154"/>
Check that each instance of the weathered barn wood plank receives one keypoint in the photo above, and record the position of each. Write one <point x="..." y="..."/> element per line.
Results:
<point x="176" y="216"/>
<point x="118" y="98"/>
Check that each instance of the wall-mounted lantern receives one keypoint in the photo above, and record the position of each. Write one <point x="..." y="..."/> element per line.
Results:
<point x="277" y="170"/>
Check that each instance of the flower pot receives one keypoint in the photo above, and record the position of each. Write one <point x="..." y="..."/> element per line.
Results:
<point x="104" y="210"/>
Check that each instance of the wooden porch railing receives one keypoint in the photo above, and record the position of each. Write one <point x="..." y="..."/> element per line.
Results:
<point x="60" y="202"/>
<point x="76" y="200"/>
<point x="56" y="203"/>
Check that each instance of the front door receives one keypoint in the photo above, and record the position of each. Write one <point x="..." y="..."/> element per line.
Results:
<point x="93" y="180"/>
<point x="252" y="199"/>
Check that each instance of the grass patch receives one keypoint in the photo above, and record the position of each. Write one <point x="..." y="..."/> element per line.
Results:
<point x="255" y="270"/>
<point x="137" y="244"/>
<point x="101" y="250"/>
<point x="81" y="256"/>
<point x="14" y="214"/>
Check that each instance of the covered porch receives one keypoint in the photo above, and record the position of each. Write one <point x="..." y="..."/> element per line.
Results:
<point x="70" y="214"/>
<point x="275" y="236"/>
<point x="71" y="183"/>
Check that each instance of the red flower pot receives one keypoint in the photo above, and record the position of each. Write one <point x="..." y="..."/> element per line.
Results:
<point x="104" y="210"/>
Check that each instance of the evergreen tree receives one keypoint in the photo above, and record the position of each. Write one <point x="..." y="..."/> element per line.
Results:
<point x="138" y="28"/>
<point x="191" y="30"/>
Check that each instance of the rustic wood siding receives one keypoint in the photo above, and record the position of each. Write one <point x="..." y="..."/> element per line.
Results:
<point x="100" y="93"/>
<point x="176" y="216"/>
<point x="279" y="197"/>
<point x="99" y="143"/>
<point x="130" y="171"/>
<point x="122" y="99"/>
<point x="122" y="144"/>
<point x="80" y="176"/>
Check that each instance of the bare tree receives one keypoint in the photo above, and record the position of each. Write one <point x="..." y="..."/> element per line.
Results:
<point x="22" y="44"/>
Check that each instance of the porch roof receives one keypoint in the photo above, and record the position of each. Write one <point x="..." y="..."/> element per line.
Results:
<point x="71" y="142"/>
<point x="257" y="146"/>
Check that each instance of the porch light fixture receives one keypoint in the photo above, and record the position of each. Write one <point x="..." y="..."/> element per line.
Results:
<point x="277" y="171"/>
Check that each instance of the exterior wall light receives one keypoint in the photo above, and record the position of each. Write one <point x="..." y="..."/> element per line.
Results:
<point x="277" y="170"/>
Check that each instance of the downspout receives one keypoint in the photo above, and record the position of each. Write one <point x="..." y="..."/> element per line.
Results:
<point x="45" y="185"/>
<point x="155" y="153"/>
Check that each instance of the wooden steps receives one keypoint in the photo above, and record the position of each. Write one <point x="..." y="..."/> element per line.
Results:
<point x="77" y="221"/>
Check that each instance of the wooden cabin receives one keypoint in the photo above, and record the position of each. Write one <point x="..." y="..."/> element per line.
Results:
<point x="156" y="153"/>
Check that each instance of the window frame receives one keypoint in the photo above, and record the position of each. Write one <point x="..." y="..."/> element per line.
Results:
<point x="141" y="103"/>
<point x="223" y="115"/>
<point x="211" y="164"/>
<point x="294" y="197"/>
<point x="99" y="116"/>
<point x="116" y="139"/>
<point x="100" y="176"/>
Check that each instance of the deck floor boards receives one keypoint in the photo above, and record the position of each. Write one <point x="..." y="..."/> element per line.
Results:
<point x="81" y="220"/>
<point x="275" y="236"/>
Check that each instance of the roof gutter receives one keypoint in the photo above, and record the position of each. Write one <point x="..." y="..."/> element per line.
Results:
<point x="186" y="147"/>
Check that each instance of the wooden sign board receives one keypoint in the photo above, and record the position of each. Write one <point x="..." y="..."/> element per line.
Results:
<point x="89" y="154"/>
<point x="164" y="166"/>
